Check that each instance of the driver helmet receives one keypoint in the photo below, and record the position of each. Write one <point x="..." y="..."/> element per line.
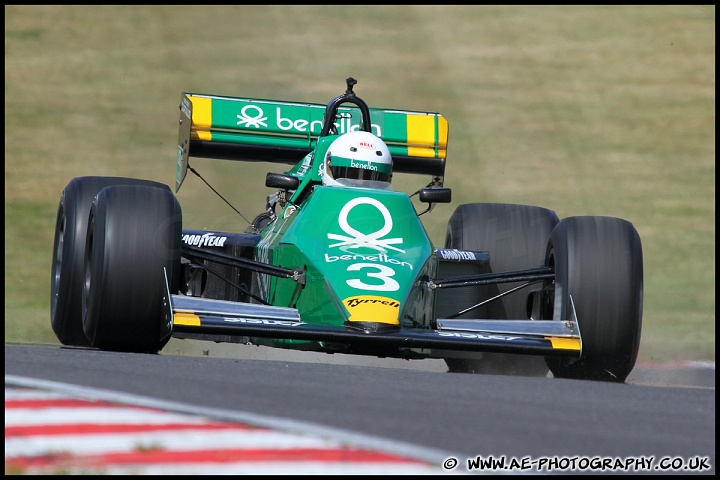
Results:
<point x="357" y="159"/>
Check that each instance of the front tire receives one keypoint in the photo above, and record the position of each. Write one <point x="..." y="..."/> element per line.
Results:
<point x="68" y="265"/>
<point x="133" y="240"/>
<point x="516" y="237"/>
<point x="598" y="266"/>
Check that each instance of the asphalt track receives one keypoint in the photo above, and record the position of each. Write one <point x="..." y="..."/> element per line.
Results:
<point x="661" y="412"/>
<point x="689" y="374"/>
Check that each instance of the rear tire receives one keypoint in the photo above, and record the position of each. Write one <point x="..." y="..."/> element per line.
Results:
<point x="133" y="238"/>
<point x="516" y="237"/>
<point x="598" y="264"/>
<point x="68" y="270"/>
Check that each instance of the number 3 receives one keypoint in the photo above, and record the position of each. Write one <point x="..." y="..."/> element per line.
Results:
<point x="383" y="273"/>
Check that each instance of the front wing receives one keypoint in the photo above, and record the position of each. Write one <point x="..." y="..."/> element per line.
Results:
<point x="220" y="318"/>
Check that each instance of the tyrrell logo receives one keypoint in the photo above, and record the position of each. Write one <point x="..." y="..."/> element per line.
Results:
<point x="372" y="308"/>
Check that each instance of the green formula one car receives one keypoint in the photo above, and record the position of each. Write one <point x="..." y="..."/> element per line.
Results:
<point x="340" y="262"/>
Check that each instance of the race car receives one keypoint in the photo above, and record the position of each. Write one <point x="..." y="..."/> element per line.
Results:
<point x="340" y="262"/>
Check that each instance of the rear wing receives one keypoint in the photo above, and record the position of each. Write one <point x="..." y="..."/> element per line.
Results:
<point x="249" y="129"/>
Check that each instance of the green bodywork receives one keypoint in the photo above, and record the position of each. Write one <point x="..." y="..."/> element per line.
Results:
<point x="370" y="243"/>
<point x="363" y="251"/>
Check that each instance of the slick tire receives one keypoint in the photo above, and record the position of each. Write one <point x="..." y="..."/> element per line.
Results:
<point x="133" y="239"/>
<point x="68" y="270"/>
<point x="516" y="237"/>
<point x="598" y="264"/>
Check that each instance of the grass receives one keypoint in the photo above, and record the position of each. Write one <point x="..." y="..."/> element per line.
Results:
<point x="588" y="110"/>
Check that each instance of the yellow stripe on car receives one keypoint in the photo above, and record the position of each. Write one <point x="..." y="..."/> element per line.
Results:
<point x="186" y="318"/>
<point x="202" y="117"/>
<point x="423" y="132"/>
<point x="565" y="343"/>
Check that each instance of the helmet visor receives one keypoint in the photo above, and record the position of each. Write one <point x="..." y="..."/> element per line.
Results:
<point x="342" y="167"/>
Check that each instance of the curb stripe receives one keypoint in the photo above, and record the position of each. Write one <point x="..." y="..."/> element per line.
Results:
<point x="48" y="432"/>
<point x="216" y="456"/>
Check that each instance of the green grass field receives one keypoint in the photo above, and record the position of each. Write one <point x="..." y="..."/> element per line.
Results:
<point x="586" y="110"/>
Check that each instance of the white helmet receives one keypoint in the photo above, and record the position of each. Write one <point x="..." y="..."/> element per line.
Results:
<point x="355" y="158"/>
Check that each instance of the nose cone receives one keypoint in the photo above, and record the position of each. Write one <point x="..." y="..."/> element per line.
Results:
<point x="372" y="313"/>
